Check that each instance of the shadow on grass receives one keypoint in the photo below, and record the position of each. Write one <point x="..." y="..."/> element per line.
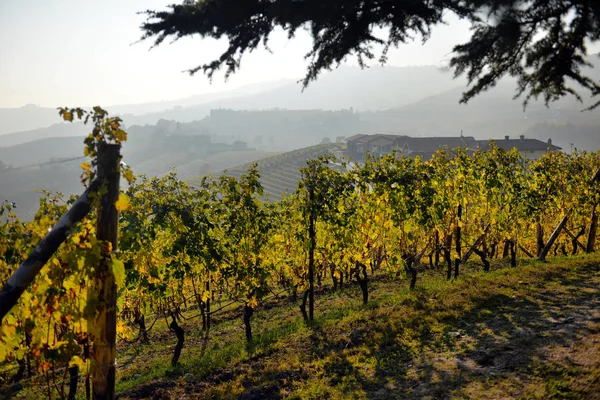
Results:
<point x="500" y="336"/>
<point x="427" y="347"/>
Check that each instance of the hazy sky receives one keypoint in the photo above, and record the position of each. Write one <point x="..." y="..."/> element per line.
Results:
<point x="82" y="53"/>
<point x="73" y="52"/>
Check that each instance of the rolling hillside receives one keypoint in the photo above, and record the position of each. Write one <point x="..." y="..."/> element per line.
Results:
<point x="219" y="162"/>
<point x="26" y="118"/>
<point x="53" y="164"/>
<point x="52" y="131"/>
<point x="187" y="165"/>
<point x="23" y="185"/>
<point x="375" y="88"/>
<point x="32" y="117"/>
<point x="41" y="151"/>
<point x="418" y="101"/>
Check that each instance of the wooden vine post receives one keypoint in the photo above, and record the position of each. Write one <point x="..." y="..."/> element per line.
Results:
<point x="544" y="252"/>
<point x="311" y="250"/>
<point x="104" y="290"/>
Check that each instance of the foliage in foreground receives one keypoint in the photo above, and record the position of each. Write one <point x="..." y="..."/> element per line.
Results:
<point x="530" y="332"/>
<point x="186" y="249"/>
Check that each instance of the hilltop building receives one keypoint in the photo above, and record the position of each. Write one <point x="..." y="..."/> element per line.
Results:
<point x="532" y="149"/>
<point x="379" y="144"/>
<point x="359" y="145"/>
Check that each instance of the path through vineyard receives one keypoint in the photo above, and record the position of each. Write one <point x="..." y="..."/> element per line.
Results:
<point x="528" y="332"/>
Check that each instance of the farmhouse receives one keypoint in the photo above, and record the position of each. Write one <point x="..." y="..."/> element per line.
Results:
<point x="532" y="149"/>
<point x="360" y="145"/>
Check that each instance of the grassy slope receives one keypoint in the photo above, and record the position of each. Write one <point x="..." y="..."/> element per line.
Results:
<point x="529" y="332"/>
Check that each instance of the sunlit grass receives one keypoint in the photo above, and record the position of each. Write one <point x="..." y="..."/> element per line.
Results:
<point x="357" y="351"/>
<point x="483" y="335"/>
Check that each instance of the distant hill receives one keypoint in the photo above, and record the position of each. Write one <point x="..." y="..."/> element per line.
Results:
<point x="568" y="135"/>
<point x="128" y="110"/>
<point x="155" y="149"/>
<point x="374" y="88"/>
<point x="55" y="130"/>
<point x="41" y="151"/>
<point x="31" y="117"/>
<point x="26" y="118"/>
<point x="19" y="185"/>
<point x="53" y="163"/>
<point x="282" y="129"/>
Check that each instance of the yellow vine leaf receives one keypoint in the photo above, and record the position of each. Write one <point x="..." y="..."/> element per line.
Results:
<point x="77" y="361"/>
<point x="71" y="282"/>
<point x="128" y="175"/>
<point x="118" y="269"/>
<point x="252" y="302"/>
<point x="122" y="203"/>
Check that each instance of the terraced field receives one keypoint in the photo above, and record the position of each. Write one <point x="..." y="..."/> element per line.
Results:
<point x="219" y="162"/>
<point x="280" y="174"/>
